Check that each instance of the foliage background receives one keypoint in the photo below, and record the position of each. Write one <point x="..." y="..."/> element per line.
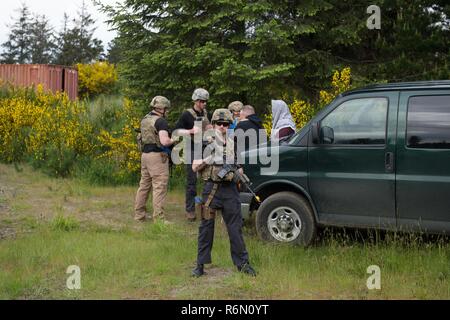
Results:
<point x="93" y="139"/>
<point x="96" y="78"/>
<point x="255" y="51"/>
<point x="32" y="39"/>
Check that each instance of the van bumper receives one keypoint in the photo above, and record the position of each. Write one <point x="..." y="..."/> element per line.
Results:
<point x="246" y="200"/>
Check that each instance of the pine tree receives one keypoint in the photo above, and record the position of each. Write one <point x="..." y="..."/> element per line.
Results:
<point x="115" y="54"/>
<point x="259" y="50"/>
<point x="66" y="49"/>
<point x="41" y="40"/>
<point x="236" y="49"/>
<point x="17" y="47"/>
<point x="76" y="43"/>
<point x="90" y="48"/>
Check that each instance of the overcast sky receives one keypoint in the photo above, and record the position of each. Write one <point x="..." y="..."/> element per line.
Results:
<point x="54" y="10"/>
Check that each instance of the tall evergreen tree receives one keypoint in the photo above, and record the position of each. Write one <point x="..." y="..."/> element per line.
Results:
<point x="115" y="51"/>
<point x="412" y="44"/>
<point x="17" y="47"/>
<point x="42" y="42"/>
<point x="236" y="49"/>
<point x="76" y="43"/>
<point x="257" y="50"/>
<point x="66" y="49"/>
<point x="90" y="48"/>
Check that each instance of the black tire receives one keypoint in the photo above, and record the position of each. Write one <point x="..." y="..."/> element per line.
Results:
<point x="291" y="218"/>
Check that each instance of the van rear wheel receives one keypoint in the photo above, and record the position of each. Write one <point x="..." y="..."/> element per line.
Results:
<point x="286" y="217"/>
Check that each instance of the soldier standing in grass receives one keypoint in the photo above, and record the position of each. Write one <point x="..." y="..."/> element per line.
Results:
<point x="220" y="193"/>
<point x="187" y="121"/>
<point x="154" y="162"/>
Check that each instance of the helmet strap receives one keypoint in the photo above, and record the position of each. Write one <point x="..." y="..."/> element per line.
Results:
<point x="160" y="112"/>
<point x="197" y="108"/>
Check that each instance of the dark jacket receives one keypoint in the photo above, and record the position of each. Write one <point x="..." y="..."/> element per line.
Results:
<point x="253" y="122"/>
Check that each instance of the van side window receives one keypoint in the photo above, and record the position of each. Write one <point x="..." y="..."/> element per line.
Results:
<point x="359" y="121"/>
<point x="428" y="124"/>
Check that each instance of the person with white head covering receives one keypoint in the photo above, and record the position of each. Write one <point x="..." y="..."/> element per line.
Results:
<point x="283" y="124"/>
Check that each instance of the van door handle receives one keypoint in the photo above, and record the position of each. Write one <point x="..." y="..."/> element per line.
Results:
<point x="389" y="162"/>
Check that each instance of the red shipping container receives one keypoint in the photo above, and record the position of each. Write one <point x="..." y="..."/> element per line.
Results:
<point x="53" y="78"/>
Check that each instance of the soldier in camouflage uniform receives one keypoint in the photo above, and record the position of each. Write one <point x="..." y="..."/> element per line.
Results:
<point x="220" y="194"/>
<point x="154" y="162"/>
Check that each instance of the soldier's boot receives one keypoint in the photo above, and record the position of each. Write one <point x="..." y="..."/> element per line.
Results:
<point x="141" y="217"/>
<point x="198" y="271"/>
<point x="247" y="269"/>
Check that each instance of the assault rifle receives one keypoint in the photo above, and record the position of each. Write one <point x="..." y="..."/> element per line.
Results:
<point x="238" y="178"/>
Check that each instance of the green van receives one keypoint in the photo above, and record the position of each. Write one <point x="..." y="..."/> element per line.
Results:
<point x="376" y="157"/>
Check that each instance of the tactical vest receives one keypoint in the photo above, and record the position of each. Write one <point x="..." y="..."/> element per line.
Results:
<point x="204" y="117"/>
<point x="149" y="134"/>
<point x="211" y="171"/>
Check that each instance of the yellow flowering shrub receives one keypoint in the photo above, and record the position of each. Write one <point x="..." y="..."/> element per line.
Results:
<point x="121" y="146"/>
<point x="62" y="123"/>
<point x="55" y="133"/>
<point x="96" y="78"/>
<point x="340" y="83"/>
<point x="267" y="122"/>
<point x="29" y="124"/>
<point x="302" y="111"/>
<point x="16" y="116"/>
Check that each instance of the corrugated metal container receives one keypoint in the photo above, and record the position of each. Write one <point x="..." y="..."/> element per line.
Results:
<point x="71" y="82"/>
<point x="53" y="78"/>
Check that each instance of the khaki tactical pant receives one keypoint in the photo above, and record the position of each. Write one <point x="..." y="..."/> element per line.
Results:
<point x="154" y="175"/>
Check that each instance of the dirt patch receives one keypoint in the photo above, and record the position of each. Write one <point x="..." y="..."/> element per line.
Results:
<point x="7" y="233"/>
<point x="213" y="274"/>
<point x="213" y="278"/>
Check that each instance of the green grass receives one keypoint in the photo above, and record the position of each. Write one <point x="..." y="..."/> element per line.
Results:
<point x="104" y="111"/>
<point x="155" y="262"/>
<point x="64" y="222"/>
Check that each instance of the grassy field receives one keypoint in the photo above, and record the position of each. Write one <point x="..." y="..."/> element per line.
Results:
<point x="48" y="224"/>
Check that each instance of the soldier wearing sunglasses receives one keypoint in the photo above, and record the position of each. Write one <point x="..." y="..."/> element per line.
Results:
<point x="220" y="193"/>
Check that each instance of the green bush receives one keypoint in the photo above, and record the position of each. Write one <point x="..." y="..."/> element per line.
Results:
<point x="104" y="112"/>
<point x="56" y="161"/>
<point x="177" y="179"/>
<point x="96" y="78"/>
<point x="103" y="172"/>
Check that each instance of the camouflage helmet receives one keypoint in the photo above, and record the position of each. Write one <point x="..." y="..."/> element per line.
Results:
<point x="222" y="115"/>
<point x="200" y="94"/>
<point x="235" y="106"/>
<point x="160" y="102"/>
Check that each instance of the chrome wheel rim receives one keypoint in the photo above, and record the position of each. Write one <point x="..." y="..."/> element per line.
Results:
<point x="284" y="224"/>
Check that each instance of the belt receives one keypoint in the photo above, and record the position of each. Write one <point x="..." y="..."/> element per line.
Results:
<point x="221" y="182"/>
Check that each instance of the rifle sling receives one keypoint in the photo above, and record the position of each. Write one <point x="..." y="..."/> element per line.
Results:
<point x="211" y="194"/>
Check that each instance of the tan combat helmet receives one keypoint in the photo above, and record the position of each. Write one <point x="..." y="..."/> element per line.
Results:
<point x="235" y="106"/>
<point x="160" y="102"/>
<point x="200" y="94"/>
<point x="222" y="115"/>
